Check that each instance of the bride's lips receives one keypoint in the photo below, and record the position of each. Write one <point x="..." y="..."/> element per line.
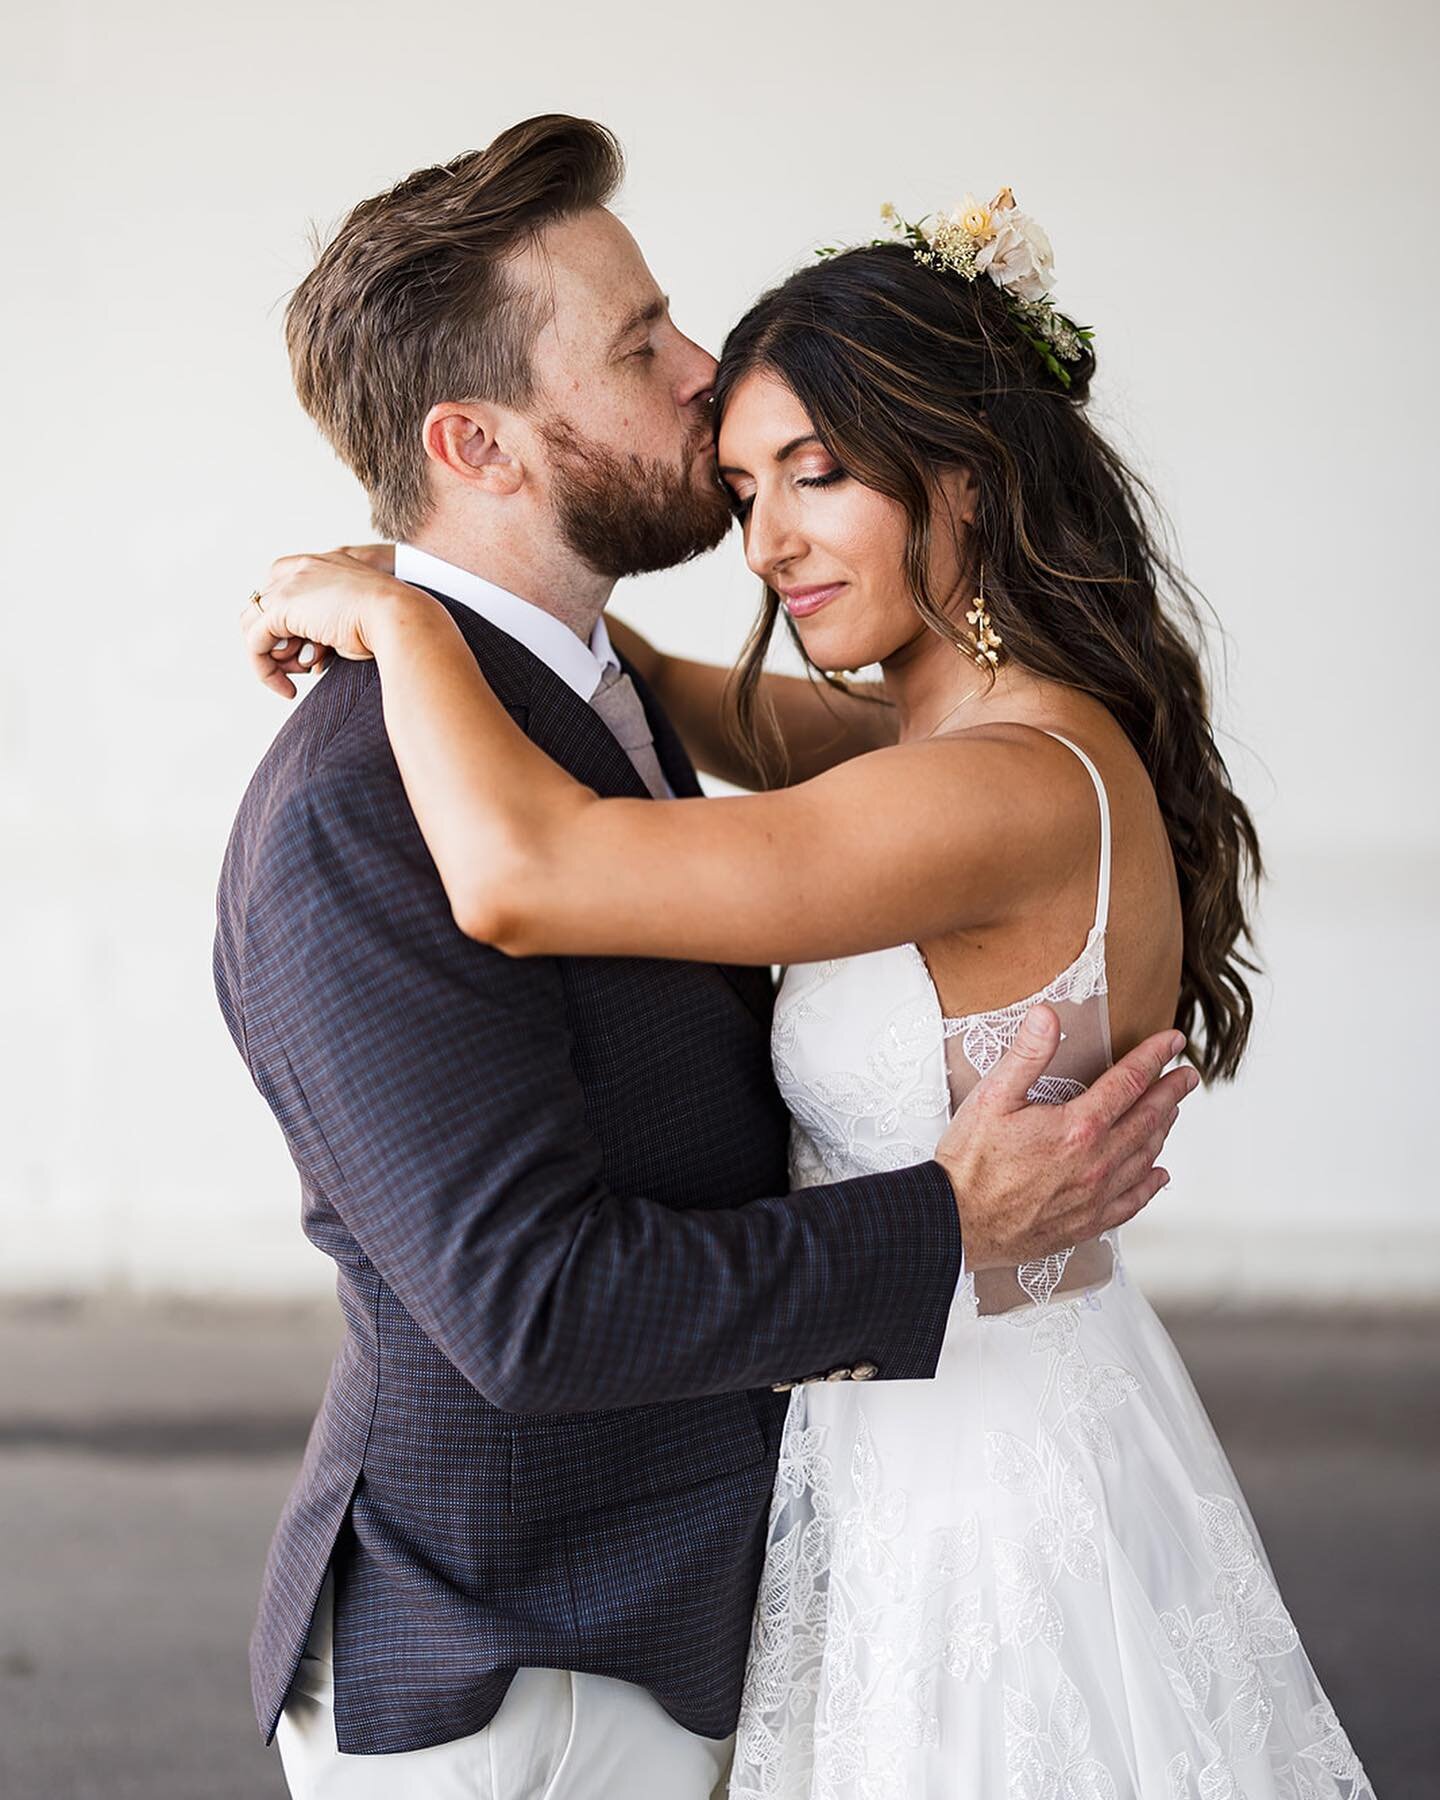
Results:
<point x="801" y="602"/>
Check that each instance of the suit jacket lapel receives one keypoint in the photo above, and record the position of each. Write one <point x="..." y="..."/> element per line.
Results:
<point x="557" y="719"/>
<point x="568" y="728"/>
<point x="754" y="986"/>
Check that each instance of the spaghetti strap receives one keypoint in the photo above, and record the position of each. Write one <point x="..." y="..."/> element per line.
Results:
<point x="1102" y="900"/>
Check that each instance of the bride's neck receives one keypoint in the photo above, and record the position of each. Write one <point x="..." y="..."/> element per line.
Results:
<point x="935" y="686"/>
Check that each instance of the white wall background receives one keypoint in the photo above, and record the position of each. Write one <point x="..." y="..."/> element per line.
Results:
<point x="1242" y="195"/>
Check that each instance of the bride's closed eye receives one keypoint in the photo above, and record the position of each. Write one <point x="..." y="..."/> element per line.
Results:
<point x="741" y="508"/>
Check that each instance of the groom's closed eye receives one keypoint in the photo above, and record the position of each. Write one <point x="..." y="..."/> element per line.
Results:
<point x="639" y="319"/>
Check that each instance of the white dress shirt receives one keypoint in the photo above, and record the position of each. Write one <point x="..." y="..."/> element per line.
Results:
<point x="540" y="632"/>
<point x="581" y="668"/>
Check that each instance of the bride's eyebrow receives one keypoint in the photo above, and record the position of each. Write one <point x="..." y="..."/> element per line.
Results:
<point x="780" y="455"/>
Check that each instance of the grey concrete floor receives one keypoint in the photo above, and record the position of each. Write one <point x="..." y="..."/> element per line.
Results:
<point x="144" y="1455"/>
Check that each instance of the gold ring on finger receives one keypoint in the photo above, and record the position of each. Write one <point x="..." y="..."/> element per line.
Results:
<point x="258" y="599"/>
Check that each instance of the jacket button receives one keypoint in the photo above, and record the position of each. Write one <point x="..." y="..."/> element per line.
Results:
<point x="864" y="1371"/>
<point x="838" y="1375"/>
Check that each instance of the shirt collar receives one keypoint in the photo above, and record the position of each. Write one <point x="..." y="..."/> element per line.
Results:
<point x="578" y="666"/>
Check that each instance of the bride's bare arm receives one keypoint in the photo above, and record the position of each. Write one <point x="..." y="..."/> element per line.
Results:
<point x="815" y="726"/>
<point x="905" y="843"/>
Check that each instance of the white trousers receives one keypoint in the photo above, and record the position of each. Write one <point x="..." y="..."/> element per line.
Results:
<point x="557" y="1736"/>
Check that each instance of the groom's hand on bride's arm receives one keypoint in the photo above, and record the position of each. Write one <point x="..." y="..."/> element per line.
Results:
<point x="1031" y="1180"/>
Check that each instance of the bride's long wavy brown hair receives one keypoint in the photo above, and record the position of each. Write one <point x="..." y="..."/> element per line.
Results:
<point x="905" y="371"/>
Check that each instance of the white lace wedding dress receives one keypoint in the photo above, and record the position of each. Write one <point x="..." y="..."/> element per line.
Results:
<point x="1033" y="1577"/>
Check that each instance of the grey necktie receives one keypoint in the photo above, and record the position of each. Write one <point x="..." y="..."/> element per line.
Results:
<point x="619" y="706"/>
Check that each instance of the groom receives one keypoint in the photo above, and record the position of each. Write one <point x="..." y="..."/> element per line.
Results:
<point x="522" y="1552"/>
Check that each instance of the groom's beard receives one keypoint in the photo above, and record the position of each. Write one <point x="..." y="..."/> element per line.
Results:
<point x="630" y="515"/>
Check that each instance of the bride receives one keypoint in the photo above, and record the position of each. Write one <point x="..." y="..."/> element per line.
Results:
<point x="1033" y="1575"/>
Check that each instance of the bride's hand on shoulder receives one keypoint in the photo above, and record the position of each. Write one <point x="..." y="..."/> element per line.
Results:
<point x="313" y="606"/>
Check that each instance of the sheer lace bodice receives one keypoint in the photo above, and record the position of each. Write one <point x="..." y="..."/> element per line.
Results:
<point x="1032" y="1577"/>
<point x="871" y="1068"/>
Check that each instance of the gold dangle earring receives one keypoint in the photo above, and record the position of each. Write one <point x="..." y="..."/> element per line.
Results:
<point x="988" y="642"/>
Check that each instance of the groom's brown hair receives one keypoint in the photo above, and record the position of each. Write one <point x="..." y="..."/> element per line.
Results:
<point x="412" y="301"/>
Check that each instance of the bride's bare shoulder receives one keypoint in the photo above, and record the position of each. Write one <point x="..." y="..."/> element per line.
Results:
<point x="1042" y="751"/>
<point x="1009" y="807"/>
<point x="1024" y="765"/>
<point x="1052" y="792"/>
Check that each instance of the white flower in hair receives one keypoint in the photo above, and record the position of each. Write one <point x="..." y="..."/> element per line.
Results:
<point x="1017" y="255"/>
<point x="998" y="240"/>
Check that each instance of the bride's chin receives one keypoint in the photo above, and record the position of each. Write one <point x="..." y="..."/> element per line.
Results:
<point x="832" y="654"/>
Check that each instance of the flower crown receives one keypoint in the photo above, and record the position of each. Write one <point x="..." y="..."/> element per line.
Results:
<point x="1006" y="244"/>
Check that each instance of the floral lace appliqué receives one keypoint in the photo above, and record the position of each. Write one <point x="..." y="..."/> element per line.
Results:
<point x="974" y="1585"/>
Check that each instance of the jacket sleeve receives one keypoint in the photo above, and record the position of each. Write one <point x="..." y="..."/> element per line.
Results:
<point x="425" y="1086"/>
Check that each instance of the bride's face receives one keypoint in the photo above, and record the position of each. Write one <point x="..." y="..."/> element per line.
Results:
<point x="832" y="548"/>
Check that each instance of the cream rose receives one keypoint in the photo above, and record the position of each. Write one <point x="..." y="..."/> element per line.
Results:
<point x="1018" y="257"/>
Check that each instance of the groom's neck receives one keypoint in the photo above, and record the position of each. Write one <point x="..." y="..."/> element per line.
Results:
<point x="547" y="574"/>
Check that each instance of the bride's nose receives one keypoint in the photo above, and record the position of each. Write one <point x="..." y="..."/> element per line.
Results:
<point x="772" y="542"/>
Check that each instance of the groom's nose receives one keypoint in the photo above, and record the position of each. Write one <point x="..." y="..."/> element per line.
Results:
<point x="698" y="375"/>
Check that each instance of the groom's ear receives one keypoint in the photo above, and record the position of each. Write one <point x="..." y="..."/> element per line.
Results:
<point x="467" y="441"/>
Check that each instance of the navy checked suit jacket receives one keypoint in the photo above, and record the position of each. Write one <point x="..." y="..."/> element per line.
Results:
<point x="554" y="1190"/>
